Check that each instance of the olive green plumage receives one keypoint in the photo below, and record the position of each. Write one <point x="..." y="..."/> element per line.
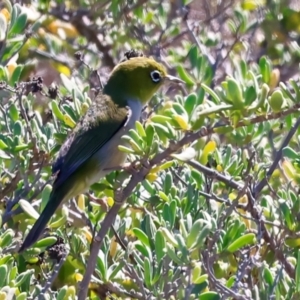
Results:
<point x="92" y="147"/>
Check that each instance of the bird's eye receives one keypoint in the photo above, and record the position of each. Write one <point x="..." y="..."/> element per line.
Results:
<point x="155" y="76"/>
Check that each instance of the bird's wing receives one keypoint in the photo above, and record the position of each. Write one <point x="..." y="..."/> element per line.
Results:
<point x="97" y="127"/>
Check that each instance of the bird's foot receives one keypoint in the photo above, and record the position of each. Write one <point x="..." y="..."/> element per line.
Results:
<point x="136" y="166"/>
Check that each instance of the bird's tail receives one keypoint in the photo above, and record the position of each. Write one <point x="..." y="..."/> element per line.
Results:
<point x="40" y="224"/>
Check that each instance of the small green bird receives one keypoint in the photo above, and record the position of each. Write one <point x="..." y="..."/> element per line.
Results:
<point x="92" y="148"/>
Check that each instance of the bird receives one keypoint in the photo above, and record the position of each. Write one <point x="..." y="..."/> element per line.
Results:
<point x="91" y="149"/>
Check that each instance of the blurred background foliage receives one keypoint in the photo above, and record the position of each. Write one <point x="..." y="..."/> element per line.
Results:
<point x="218" y="219"/>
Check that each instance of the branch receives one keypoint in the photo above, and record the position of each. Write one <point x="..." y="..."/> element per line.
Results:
<point x="278" y="157"/>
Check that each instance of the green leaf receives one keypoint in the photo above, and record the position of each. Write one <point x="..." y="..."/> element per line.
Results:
<point x="46" y="242"/>
<point x="194" y="232"/>
<point x="22" y="296"/>
<point x="7" y="237"/>
<point x="114" y="269"/>
<point x="3" y="73"/>
<point x="242" y="241"/>
<point x="265" y="69"/>
<point x="15" y="13"/>
<point x="102" y="264"/>
<point x="297" y="281"/>
<point x="143" y="249"/>
<point x="287" y="213"/>
<point x="69" y="84"/>
<point x="16" y="75"/>
<point x="290" y="153"/>
<point x="19" y="26"/>
<point x="62" y="293"/>
<point x="147" y="272"/>
<point x="209" y="296"/>
<point x="171" y="253"/>
<point x="185" y="76"/>
<point x="3" y="145"/>
<point x="214" y="96"/>
<point x="189" y="103"/>
<point x="3" y="274"/>
<point x="168" y="182"/>
<point x="160" y="246"/>
<point x="18" y="128"/>
<point x="45" y="196"/>
<point x="21" y="278"/>
<point x="150" y="134"/>
<point x="268" y="277"/>
<point x="141" y="236"/>
<point x="193" y="55"/>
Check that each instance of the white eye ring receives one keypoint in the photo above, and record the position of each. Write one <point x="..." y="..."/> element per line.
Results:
<point x="155" y="76"/>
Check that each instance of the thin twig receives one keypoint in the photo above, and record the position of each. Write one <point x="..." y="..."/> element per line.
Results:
<point x="258" y="188"/>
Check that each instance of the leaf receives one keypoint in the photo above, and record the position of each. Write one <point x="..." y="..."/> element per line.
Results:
<point x="28" y="209"/>
<point x="160" y="245"/>
<point x="189" y="103"/>
<point x="186" y="155"/>
<point x="19" y="26"/>
<point x="16" y="75"/>
<point x="185" y="76"/>
<point x="290" y="153"/>
<point x="242" y="241"/>
<point x="297" y="283"/>
<point x="148" y="272"/>
<point x="21" y="278"/>
<point x="68" y="84"/>
<point x="3" y="28"/>
<point x="208" y="149"/>
<point x="3" y="274"/>
<point x="45" y="196"/>
<point x="141" y="236"/>
<point x="209" y="296"/>
<point x="214" y="96"/>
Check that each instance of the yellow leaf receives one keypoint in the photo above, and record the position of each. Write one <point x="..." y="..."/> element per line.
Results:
<point x="252" y="4"/>
<point x="110" y="201"/>
<point x="69" y="121"/>
<point x="182" y="122"/>
<point x="81" y="202"/>
<point x="288" y="169"/>
<point x="78" y="277"/>
<point x="209" y="148"/>
<point x="5" y="13"/>
<point x="232" y="196"/>
<point x="87" y="234"/>
<point x="62" y="68"/>
<point x="62" y="29"/>
<point x="151" y="177"/>
<point x="113" y="247"/>
<point x="11" y="67"/>
<point x="2" y="296"/>
<point x="219" y="168"/>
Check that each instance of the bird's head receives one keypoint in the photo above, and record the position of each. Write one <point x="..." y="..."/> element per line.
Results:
<point x="137" y="78"/>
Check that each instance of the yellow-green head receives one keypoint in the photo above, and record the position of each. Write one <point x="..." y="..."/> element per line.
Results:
<point x="138" y="78"/>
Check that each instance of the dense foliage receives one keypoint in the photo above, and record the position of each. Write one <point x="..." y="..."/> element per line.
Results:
<point x="212" y="209"/>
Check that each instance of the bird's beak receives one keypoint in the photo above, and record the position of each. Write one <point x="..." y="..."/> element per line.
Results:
<point x="173" y="79"/>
